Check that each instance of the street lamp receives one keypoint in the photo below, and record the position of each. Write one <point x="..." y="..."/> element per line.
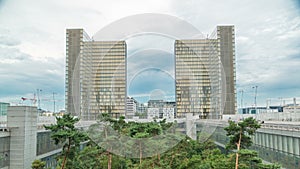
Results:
<point x="53" y="102"/>
<point x="242" y="95"/>
<point x="39" y="101"/>
<point x="255" y="95"/>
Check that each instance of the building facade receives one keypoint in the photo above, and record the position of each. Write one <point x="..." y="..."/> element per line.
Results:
<point x="204" y="69"/>
<point x="205" y="75"/>
<point x="3" y="108"/>
<point x="95" y="76"/>
<point x="160" y="109"/>
<point x="226" y="43"/>
<point x="131" y="107"/>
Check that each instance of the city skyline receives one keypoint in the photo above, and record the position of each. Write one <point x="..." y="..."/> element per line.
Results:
<point x="33" y="54"/>
<point x="96" y="70"/>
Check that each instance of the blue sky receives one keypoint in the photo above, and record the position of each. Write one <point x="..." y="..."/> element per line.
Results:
<point x="32" y="44"/>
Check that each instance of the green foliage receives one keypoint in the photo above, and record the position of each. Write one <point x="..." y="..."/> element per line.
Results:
<point x="194" y="162"/>
<point x="188" y="153"/>
<point x="240" y="135"/>
<point x="87" y="158"/>
<point x="64" y="132"/>
<point x="38" y="164"/>
<point x="215" y="159"/>
<point x="250" y="159"/>
<point x="246" y="128"/>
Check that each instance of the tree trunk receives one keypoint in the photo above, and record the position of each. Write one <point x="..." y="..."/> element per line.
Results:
<point x="65" y="158"/>
<point x="158" y="157"/>
<point x="105" y="131"/>
<point x="172" y="160"/>
<point x="141" y="153"/>
<point x="237" y="153"/>
<point x="109" y="160"/>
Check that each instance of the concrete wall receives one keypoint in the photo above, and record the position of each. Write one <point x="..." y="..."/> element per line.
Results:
<point x="22" y="122"/>
<point x="4" y="149"/>
<point x="276" y="143"/>
<point x="285" y="141"/>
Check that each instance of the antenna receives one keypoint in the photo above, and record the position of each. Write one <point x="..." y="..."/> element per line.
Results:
<point x="53" y="102"/>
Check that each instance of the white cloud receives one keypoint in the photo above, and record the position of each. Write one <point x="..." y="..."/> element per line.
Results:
<point x="32" y="36"/>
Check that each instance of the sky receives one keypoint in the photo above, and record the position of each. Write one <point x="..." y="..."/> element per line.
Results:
<point x="32" y="45"/>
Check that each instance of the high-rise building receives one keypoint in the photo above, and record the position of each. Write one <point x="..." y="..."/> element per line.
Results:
<point x="204" y="70"/>
<point x="205" y="75"/>
<point x="95" y="76"/>
<point x="226" y="41"/>
<point x="74" y="46"/>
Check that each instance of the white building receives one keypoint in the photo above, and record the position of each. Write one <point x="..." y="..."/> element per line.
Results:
<point x="161" y="109"/>
<point x="153" y="113"/>
<point x="168" y="113"/>
<point x="131" y="107"/>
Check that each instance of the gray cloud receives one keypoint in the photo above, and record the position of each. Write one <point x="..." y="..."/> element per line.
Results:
<point x="150" y="80"/>
<point x="267" y="40"/>
<point x="11" y="55"/>
<point x="7" y="38"/>
<point x="8" y="41"/>
<point x="21" y="76"/>
<point x="148" y="70"/>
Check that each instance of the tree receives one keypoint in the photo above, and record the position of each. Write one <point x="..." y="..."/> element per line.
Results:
<point x="109" y="125"/>
<point x="38" y="164"/>
<point x="86" y="157"/>
<point x="240" y="135"/>
<point x="64" y="132"/>
<point x="250" y="159"/>
<point x="188" y="153"/>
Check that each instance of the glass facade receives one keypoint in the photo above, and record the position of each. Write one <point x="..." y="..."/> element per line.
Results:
<point x="74" y="45"/>
<point x="226" y="42"/>
<point x="204" y="68"/>
<point x="3" y="108"/>
<point x="103" y="87"/>
<point x="192" y="77"/>
<point x="45" y="143"/>
<point x="205" y="75"/>
<point x="96" y="76"/>
<point x="4" y="151"/>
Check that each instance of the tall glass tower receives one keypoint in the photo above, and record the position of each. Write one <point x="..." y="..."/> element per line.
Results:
<point x="95" y="76"/>
<point x="205" y="75"/>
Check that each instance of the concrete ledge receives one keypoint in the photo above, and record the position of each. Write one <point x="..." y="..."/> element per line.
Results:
<point x="4" y="134"/>
<point x="49" y="153"/>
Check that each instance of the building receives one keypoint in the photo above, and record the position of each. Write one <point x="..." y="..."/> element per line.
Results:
<point x="24" y="139"/>
<point x="3" y="108"/>
<point x="131" y="107"/>
<point x="142" y="108"/>
<point x="204" y="70"/>
<point x="161" y="109"/>
<point x="95" y="76"/>
<point x="291" y="108"/>
<point x="205" y="75"/>
<point x="18" y="138"/>
<point x="226" y="42"/>
<point x="153" y="113"/>
<point x="253" y="110"/>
